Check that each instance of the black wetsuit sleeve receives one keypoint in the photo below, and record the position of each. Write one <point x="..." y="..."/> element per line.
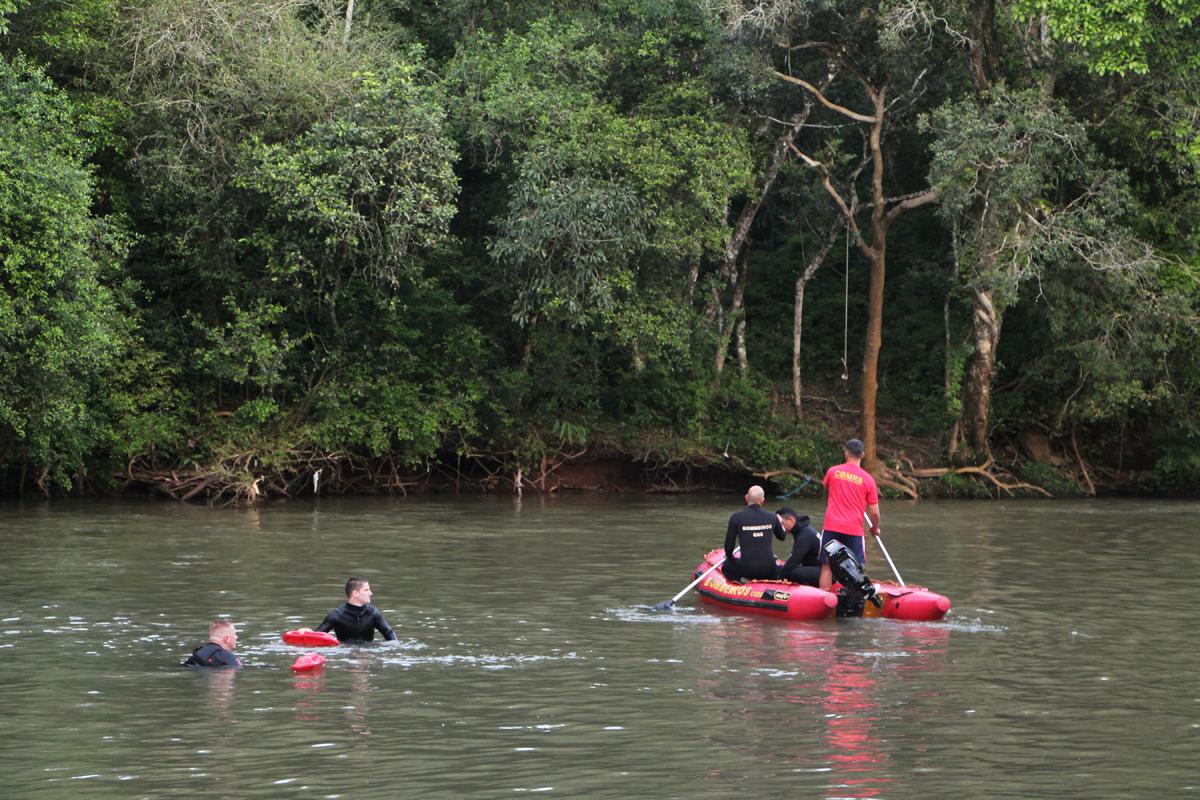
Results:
<point x="731" y="535"/>
<point x="809" y="547"/>
<point x="382" y="626"/>
<point x="778" y="530"/>
<point x="327" y="625"/>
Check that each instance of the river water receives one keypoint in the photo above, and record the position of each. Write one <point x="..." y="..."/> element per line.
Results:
<point x="530" y="660"/>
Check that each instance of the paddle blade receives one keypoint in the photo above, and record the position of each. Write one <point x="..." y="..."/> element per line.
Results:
<point x="664" y="605"/>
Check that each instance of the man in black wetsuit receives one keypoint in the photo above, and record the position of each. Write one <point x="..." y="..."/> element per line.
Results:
<point x="357" y="620"/>
<point x="752" y="529"/>
<point x="218" y="650"/>
<point x="804" y="564"/>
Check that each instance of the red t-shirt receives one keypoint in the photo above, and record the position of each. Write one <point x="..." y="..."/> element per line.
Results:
<point x="851" y="489"/>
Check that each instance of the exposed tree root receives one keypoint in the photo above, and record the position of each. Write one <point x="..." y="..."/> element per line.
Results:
<point x="899" y="482"/>
<point x="243" y="479"/>
<point x="1087" y="479"/>
<point x="1000" y="479"/>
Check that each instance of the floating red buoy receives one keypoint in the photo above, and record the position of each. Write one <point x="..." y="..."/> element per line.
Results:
<point x="308" y="662"/>
<point x="310" y="638"/>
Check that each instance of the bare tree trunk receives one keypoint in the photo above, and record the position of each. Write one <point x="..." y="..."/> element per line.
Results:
<point x="693" y="279"/>
<point x="743" y="360"/>
<point x="876" y="249"/>
<point x="527" y="345"/>
<point x="349" y="20"/>
<point x="952" y="445"/>
<point x="731" y="320"/>
<point x="877" y="257"/>
<point x="798" y="314"/>
<point x="871" y="349"/>
<point x="797" y="336"/>
<point x="977" y="386"/>
<point x="982" y="58"/>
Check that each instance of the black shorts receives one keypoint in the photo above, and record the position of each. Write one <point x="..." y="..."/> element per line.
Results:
<point x="855" y="544"/>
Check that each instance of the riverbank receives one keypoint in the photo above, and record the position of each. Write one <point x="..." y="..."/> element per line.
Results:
<point x="910" y="466"/>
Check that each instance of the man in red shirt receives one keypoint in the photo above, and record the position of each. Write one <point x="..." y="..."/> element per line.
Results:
<point x="851" y="491"/>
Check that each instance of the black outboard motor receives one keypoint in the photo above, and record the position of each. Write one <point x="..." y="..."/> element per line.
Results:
<point x="856" y="586"/>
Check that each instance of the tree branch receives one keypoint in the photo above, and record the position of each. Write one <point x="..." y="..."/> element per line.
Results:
<point x="910" y="202"/>
<point x="829" y="187"/>
<point x="822" y="99"/>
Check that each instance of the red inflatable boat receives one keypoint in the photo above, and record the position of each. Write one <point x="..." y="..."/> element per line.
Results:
<point x="308" y="638"/>
<point x="793" y="601"/>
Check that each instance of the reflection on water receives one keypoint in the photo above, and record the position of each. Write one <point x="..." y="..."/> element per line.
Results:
<point x="531" y="661"/>
<point x="218" y="684"/>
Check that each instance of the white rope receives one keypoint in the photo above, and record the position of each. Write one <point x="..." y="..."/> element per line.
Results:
<point x="846" y="312"/>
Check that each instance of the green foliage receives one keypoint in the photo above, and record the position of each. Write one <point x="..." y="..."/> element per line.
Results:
<point x="510" y="89"/>
<point x="366" y="191"/>
<point x="953" y="485"/>
<point x="63" y="35"/>
<point x="1001" y="163"/>
<point x="743" y="426"/>
<point x="1051" y="479"/>
<point x="500" y="229"/>
<point x="1122" y="36"/>
<point x="247" y="349"/>
<point x="567" y="240"/>
<point x="61" y="325"/>
<point x="687" y="163"/>
<point x="593" y="186"/>
<point x="1177" y="470"/>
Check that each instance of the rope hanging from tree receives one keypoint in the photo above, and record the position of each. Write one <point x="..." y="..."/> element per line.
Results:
<point x="846" y="311"/>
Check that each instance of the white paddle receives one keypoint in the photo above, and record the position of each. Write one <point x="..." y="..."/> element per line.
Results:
<point x="665" y="604"/>
<point x="879" y="541"/>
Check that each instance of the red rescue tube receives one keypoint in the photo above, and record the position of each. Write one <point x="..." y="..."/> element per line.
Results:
<point x="310" y="638"/>
<point x="308" y="662"/>
<point x="908" y="602"/>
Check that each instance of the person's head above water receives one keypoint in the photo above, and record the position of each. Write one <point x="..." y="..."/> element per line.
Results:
<point x="755" y="496"/>
<point x="222" y="632"/>
<point x="358" y="591"/>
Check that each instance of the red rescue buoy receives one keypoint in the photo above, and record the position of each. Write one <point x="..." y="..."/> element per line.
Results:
<point x="308" y="662"/>
<point x="310" y="638"/>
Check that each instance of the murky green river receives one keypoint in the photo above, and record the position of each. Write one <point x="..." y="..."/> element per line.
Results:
<point x="530" y="661"/>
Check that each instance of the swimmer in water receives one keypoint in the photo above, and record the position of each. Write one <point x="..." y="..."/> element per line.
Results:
<point x="218" y="650"/>
<point x="357" y="620"/>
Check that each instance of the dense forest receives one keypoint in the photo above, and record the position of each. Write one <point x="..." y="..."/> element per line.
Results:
<point x="266" y="248"/>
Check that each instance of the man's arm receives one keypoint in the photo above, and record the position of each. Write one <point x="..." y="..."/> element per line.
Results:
<point x="382" y="626"/>
<point x="730" y="538"/>
<point x="327" y="625"/>
<point x="873" y="513"/>
<point x="812" y="549"/>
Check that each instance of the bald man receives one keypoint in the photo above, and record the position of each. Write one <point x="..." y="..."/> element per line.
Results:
<point x="752" y="529"/>
<point x="218" y="651"/>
